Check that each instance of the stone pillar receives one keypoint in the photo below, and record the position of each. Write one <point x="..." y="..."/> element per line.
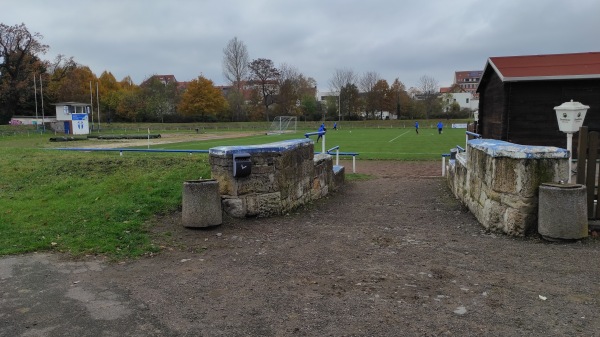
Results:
<point x="563" y="212"/>
<point x="201" y="205"/>
<point x="499" y="181"/>
<point x="284" y="175"/>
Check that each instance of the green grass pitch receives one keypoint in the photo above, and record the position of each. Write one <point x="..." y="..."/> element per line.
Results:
<point x="370" y="143"/>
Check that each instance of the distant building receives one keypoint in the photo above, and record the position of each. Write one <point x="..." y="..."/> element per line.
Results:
<point x="164" y="79"/>
<point x="468" y="80"/>
<point x="457" y="94"/>
<point x="31" y="120"/>
<point x="72" y="118"/>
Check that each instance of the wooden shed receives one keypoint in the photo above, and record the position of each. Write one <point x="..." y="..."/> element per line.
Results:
<point x="517" y="96"/>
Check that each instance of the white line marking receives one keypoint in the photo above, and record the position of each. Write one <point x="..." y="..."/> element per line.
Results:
<point x="398" y="136"/>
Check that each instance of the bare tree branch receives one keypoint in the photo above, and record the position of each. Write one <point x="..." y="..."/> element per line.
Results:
<point x="429" y="88"/>
<point x="235" y="62"/>
<point x="342" y="78"/>
<point x="368" y="81"/>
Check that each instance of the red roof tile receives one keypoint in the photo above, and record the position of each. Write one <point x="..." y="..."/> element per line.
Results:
<point x="544" y="67"/>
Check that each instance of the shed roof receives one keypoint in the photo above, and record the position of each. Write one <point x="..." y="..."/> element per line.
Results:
<point x="546" y="67"/>
<point x="70" y="103"/>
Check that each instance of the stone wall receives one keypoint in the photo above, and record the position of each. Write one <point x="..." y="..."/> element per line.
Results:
<point x="284" y="176"/>
<point x="498" y="181"/>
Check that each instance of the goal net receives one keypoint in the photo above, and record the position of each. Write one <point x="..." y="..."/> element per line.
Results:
<point x="283" y="124"/>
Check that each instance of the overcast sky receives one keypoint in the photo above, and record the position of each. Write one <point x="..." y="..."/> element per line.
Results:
<point x="396" y="39"/>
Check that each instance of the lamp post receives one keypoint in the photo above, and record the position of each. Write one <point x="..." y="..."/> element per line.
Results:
<point x="570" y="116"/>
<point x="339" y="107"/>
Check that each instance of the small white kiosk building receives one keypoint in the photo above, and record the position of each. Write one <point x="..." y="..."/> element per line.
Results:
<point x="72" y="118"/>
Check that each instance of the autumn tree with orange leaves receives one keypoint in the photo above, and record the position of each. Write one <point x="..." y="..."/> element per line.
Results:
<point x="202" y="99"/>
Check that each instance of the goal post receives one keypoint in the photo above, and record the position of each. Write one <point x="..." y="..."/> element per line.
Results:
<point x="283" y="124"/>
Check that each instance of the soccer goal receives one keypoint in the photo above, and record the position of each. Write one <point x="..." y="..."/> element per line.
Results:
<point x="283" y="124"/>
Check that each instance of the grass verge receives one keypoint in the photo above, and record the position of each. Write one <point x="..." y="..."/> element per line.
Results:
<point x="88" y="203"/>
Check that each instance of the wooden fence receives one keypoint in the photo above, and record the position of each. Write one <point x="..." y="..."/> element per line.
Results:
<point x="587" y="169"/>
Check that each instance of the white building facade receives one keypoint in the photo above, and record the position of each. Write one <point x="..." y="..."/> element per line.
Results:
<point x="464" y="99"/>
<point x="72" y="118"/>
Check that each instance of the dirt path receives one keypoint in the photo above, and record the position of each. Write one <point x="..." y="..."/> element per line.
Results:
<point x="392" y="256"/>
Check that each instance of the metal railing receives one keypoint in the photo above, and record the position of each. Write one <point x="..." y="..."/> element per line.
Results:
<point x="82" y="149"/>
<point x="452" y="154"/>
<point x="319" y="134"/>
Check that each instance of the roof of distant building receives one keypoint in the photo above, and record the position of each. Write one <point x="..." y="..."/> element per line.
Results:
<point x="70" y="103"/>
<point x="460" y="76"/>
<point x="166" y="79"/>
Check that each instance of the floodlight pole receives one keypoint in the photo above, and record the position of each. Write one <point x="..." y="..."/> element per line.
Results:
<point x="36" y="110"/>
<point x="339" y="107"/>
<point x="98" y="102"/>
<point x="42" y="95"/>
<point x="92" y="105"/>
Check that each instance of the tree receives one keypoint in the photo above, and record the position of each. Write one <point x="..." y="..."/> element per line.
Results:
<point x="255" y="107"/>
<point x="332" y="108"/>
<point x="367" y="83"/>
<point x="310" y="107"/>
<point x="350" y="101"/>
<point x="381" y="97"/>
<point x="341" y="78"/>
<point x="202" y="98"/>
<point x="343" y="82"/>
<point x="160" y="98"/>
<point x="61" y="67"/>
<point x="429" y="90"/>
<point x="265" y="76"/>
<point x="399" y="99"/>
<point x="72" y="85"/>
<point x="288" y="91"/>
<point x="235" y="63"/>
<point x="110" y="91"/>
<point x="236" y="70"/>
<point x="294" y="90"/>
<point x="127" y="99"/>
<point x="19" y="62"/>
<point x="307" y="90"/>
<point x="130" y="104"/>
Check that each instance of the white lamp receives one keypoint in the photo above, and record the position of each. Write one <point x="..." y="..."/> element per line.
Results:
<point x="570" y="116"/>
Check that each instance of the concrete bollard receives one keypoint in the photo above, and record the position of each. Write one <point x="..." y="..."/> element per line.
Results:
<point x="201" y="204"/>
<point x="562" y="212"/>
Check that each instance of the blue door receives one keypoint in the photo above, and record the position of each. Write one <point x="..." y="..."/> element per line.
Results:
<point x="67" y="128"/>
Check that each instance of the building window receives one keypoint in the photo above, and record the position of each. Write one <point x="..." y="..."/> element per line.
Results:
<point x="467" y="100"/>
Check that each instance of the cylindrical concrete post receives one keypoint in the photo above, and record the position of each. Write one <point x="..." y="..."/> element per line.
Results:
<point x="201" y="204"/>
<point x="562" y="212"/>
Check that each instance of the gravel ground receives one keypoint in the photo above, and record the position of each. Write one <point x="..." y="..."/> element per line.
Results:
<point x="396" y="255"/>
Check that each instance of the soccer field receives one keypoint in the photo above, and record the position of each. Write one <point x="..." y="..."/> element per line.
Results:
<point x="370" y="143"/>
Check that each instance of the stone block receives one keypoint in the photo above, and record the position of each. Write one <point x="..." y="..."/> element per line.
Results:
<point x="233" y="206"/>
<point x="563" y="211"/>
<point x="504" y="175"/>
<point x="201" y="204"/>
